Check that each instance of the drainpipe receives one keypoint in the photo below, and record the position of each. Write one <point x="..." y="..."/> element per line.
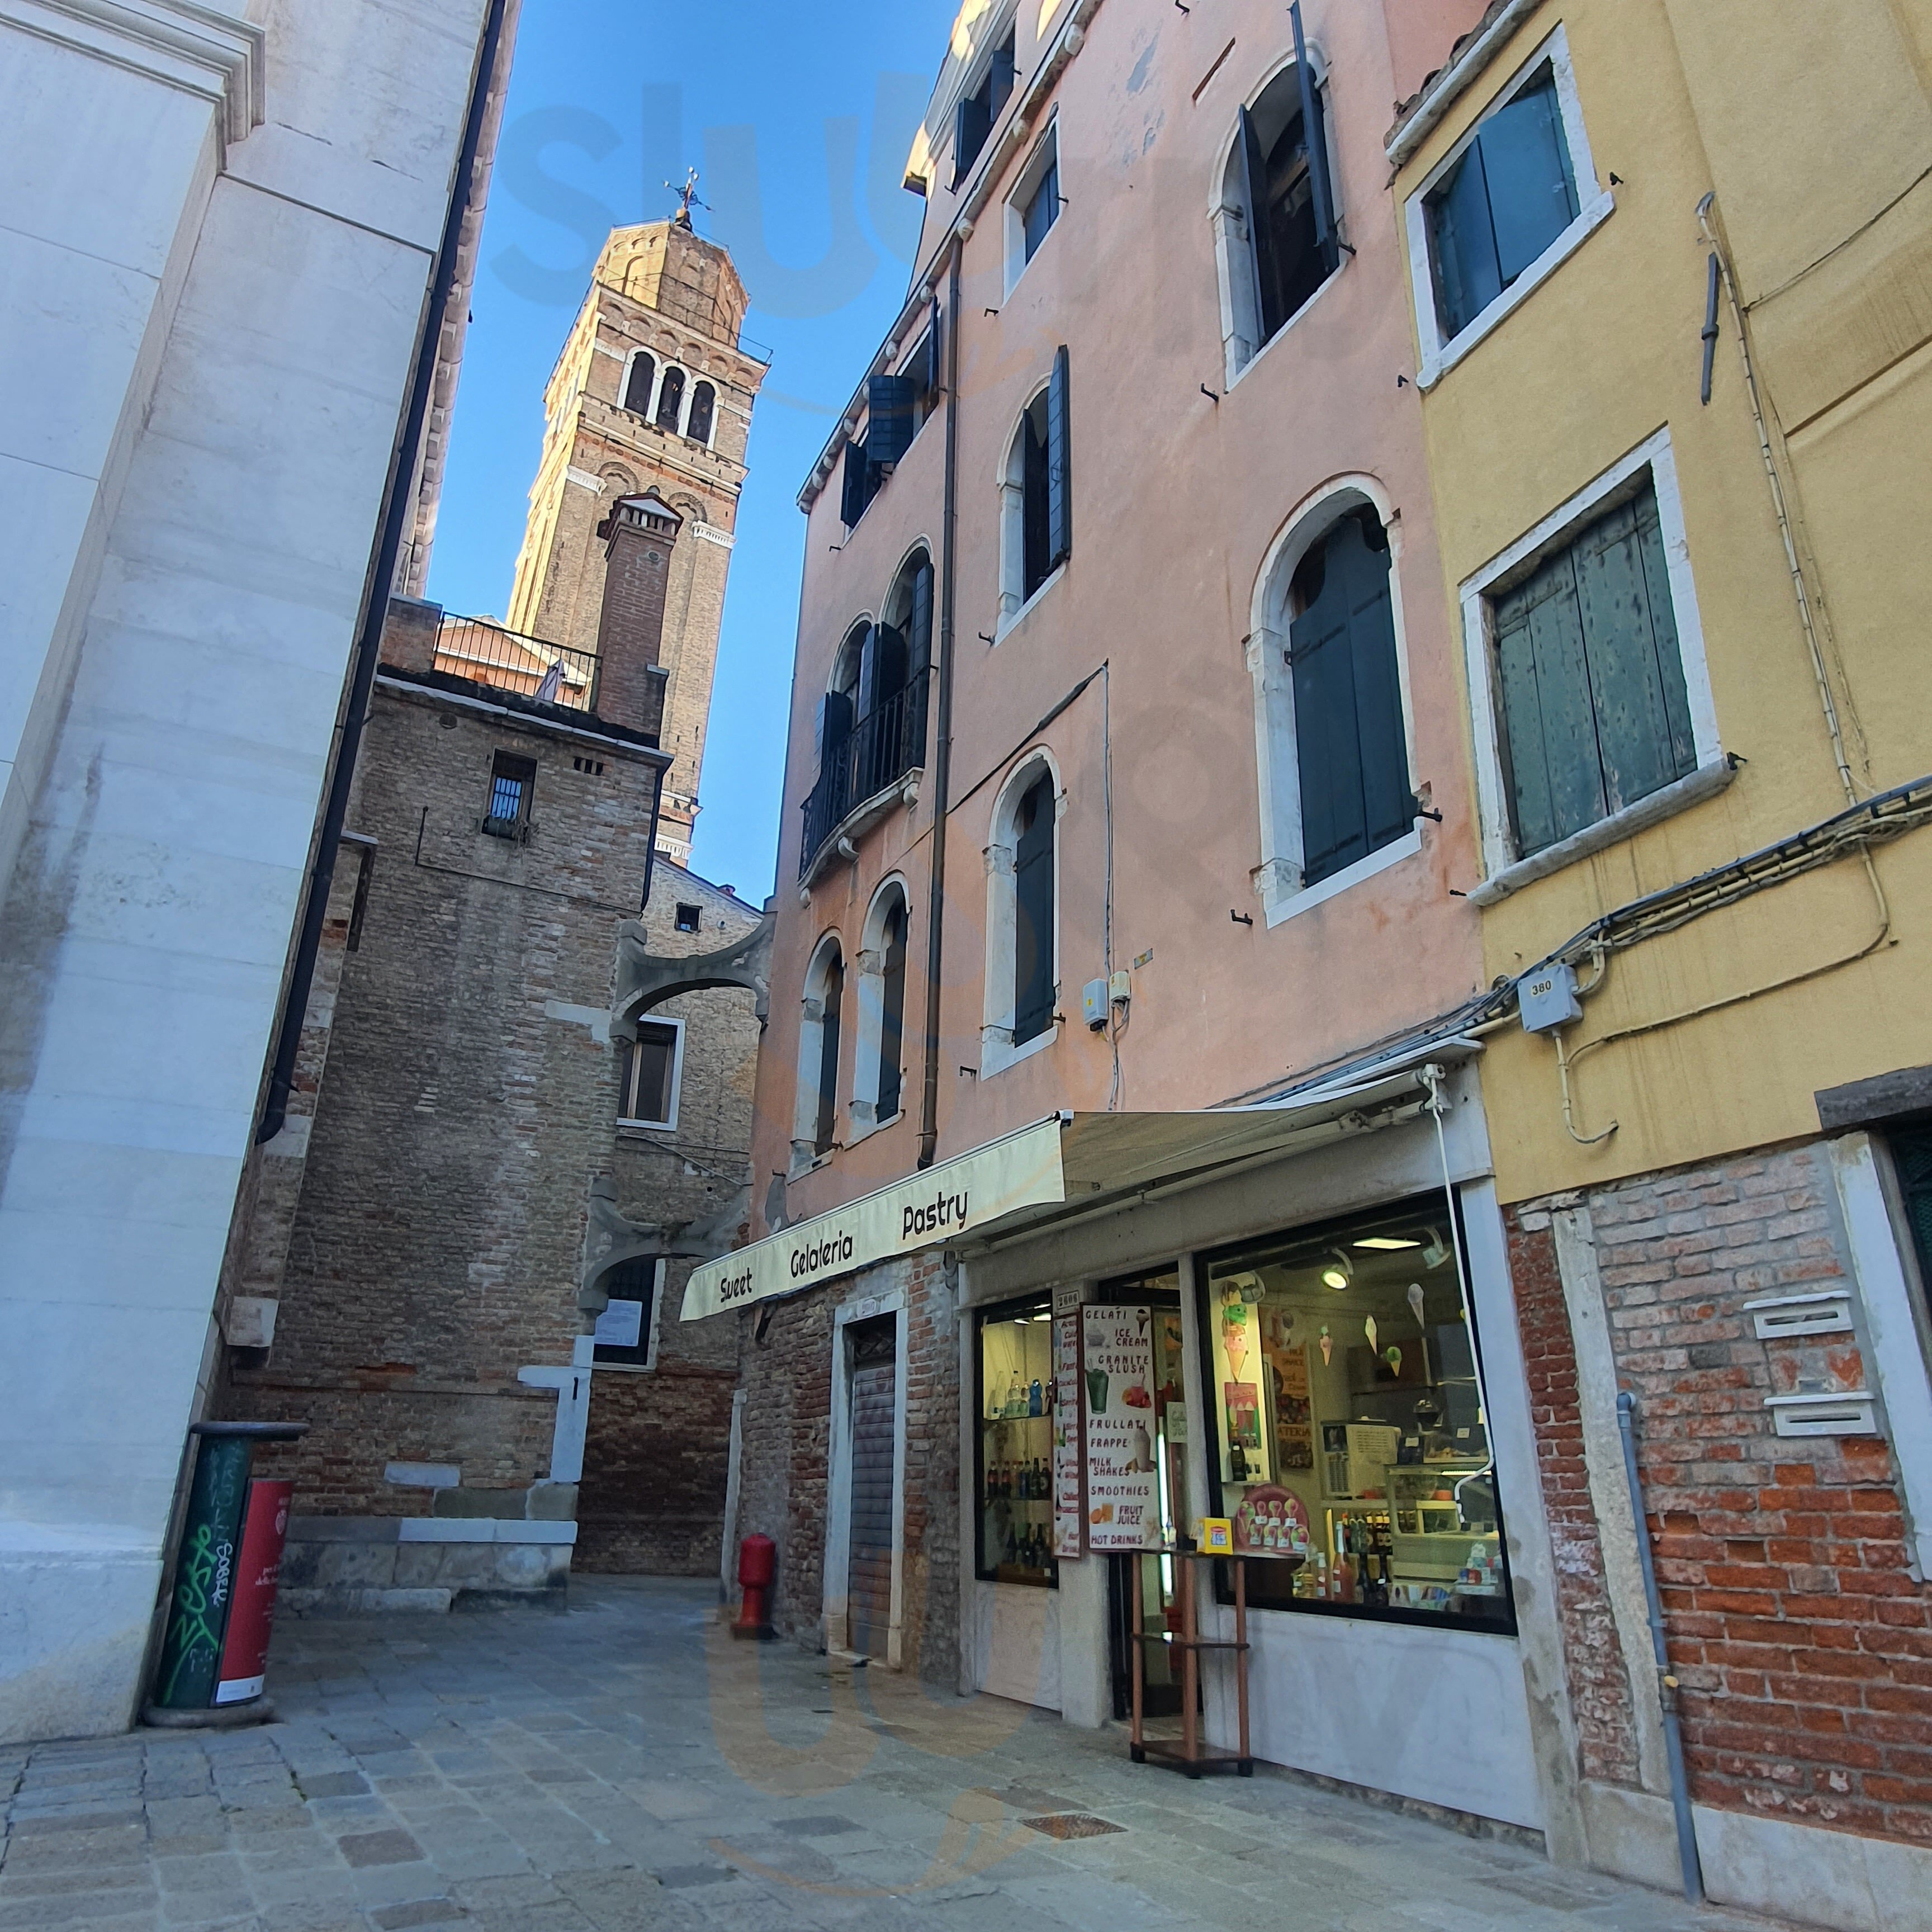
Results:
<point x="1667" y="1684"/>
<point x="398" y="510"/>
<point x="942" y="758"/>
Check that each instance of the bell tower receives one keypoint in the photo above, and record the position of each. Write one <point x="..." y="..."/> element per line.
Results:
<point x="652" y="397"/>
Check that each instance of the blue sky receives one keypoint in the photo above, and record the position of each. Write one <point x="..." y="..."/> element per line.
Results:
<point x="799" y="120"/>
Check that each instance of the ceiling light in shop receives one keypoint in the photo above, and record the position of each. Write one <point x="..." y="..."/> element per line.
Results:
<point x="1385" y="1244"/>
<point x="1340" y="1273"/>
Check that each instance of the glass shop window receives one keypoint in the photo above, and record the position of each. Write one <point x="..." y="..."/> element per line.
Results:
<point x="1015" y="1501"/>
<point x="1349" y="1442"/>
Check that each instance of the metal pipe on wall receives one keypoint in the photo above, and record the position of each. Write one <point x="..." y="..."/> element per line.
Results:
<point x="1667" y="1684"/>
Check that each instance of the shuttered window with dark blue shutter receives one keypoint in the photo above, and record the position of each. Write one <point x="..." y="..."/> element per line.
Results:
<point x="1350" y="747"/>
<point x="1033" y="905"/>
<point x="1035" y="531"/>
<point x="892" y="1012"/>
<point x="1595" y="713"/>
<point x="1509" y="195"/>
<point x="826" y="1122"/>
<point x="1059" y="463"/>
<point x="890" y="405"/>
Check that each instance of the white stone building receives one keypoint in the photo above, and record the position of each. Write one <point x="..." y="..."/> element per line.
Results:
<point x="219" y="323"/>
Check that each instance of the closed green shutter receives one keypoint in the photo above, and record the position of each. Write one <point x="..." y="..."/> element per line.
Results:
<point x="1351" y="751"/>
<point x="1033" y="930"/>
<point x="1059" y="463"/>
<point x="1595" y="713"/>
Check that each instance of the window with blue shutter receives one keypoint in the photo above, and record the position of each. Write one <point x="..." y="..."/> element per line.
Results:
<point x="1059" y="464"/>
<point x="1035" y="535"/>
<point x="1280" y="167"/>
<point x="1032" y="907"/>
<point x="1351" y="752"/>
<point x="1041" y="209"/>
<point x="892" y="1012"/>
<point x="891" y="421"/>
<point x="1508" y="196"/>
<point x="973" y="119"/>
<point x="826" y="1121"/>
<point x="1595" y="713"/>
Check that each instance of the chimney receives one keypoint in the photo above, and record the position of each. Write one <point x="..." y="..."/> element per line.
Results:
<point x="638" y="535"/>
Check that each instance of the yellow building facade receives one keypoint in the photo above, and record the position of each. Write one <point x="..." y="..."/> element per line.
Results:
<point x="1671" y="268"/>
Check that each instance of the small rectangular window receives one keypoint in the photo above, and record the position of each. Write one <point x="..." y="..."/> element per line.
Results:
<point x="1595" y="711"/>
<point x="973" y="119"/>
<point x="512" y="783"/>
<point x="625" y="1335"/>
<point x="652" y="1071"/>
<point x="688" y="918"/>
<point x="1511" y="193"/>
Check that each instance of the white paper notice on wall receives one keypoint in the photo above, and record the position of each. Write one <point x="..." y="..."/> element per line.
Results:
<point x="1067" y="1494"/>
<point x="620" y="1326"/>
<point x="1116" y="1364"/>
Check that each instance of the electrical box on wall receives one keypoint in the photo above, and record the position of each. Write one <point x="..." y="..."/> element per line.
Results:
<point x="1093" y="1004"/>
<point x="1547" y="998"/>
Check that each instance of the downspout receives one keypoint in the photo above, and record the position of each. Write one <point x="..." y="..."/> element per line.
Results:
<point x="397" y="509"/>
<point x="1666" y="1684"/>
<point x="942" y="756"/>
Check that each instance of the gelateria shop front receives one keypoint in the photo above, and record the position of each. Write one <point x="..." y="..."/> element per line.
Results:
<point x="1342" y="1387"/>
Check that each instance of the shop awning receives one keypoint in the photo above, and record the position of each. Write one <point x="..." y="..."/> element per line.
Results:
<point x="1066" y="1164"/>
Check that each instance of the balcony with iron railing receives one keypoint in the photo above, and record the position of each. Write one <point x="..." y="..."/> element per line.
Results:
<point x="487" y="653"/>
<point x="863" y="773"/>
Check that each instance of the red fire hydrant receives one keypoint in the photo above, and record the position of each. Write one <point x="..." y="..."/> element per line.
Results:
<point x="757" y="1569"/>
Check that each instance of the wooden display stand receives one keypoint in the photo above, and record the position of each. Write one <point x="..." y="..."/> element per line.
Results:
<point x="1189" y="1756"/>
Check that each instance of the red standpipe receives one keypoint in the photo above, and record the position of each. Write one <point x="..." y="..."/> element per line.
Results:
<point x="757" y="1570"/>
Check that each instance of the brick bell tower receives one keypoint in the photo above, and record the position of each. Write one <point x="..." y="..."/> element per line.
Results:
<point x="651" y="396"/>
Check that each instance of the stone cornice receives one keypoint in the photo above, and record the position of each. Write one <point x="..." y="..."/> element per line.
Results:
<point x="201" y="48"/>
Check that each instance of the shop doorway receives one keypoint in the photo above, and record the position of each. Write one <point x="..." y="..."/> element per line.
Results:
<point x="869" y="1574"/>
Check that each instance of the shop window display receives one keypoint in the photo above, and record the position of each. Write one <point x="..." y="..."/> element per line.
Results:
<point x="1350" y="1440"/>
<point x="1015" y="1472"/>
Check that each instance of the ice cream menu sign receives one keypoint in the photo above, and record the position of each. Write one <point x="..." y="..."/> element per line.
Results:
<point x="1066" y="1434"/>
<point x="1117" y="1365"/>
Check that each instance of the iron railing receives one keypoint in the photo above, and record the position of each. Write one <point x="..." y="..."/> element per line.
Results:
<point x="885" y="744"/>
<point x="474" y="648"/>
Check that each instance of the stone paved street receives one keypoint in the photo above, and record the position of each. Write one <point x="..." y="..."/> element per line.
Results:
<point x="622" y="1765"/>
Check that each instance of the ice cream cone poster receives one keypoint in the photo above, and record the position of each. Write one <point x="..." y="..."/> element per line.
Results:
<point x="1122" y="1506"/>
<point x="1235" y="1316"/>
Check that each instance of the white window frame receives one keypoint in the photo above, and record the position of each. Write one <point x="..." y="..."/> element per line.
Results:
<point x="692" y="378"/>
<point x="1277" y="879"/>
<point x="1595" y="203"/>
<point x="1897" y="1341"/>
<point x="871" y="976"/>
<point x="1015" y="605"/>
<point x="805" y="1156"/>
<point x="637" y="1022"/>
<point x="652" y="1326"/>
<point x="1046" y="153"/>
<point x="997" y="1050"/>
<point x="1239" y="299"/>
<point x="1504" y="871"/>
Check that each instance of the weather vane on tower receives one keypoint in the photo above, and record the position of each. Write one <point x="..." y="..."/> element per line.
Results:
<point x="687" y="198"/>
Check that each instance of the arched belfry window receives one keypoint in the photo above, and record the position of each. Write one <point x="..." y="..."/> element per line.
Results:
<point x="1022" y="916"/>
<point x="703" y="410"/>
<point x="671" y="398"/>
<point x="1336" y="785"/>
<point x="815" y="1128"/>
<point x="638" y="383"/>
<point x="1275" y="226"/>
<point x="878" y="1076"/>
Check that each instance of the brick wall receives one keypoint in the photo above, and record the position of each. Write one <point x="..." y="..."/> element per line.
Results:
<point x="1599" y="1681"/>
<point x="1803" y="1645"/>
<point x="786" y="1436"/>
<point x="425" y="1239"/>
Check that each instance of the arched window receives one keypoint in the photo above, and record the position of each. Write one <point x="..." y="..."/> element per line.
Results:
<point x="643" y="373"/>
<point x="1275" y="222"/>
<point x="1335" y="780"/>
<point x="815" y="1131"/>
<point x="1022" y="892"/>
<point x="877" y="1075"/>
<point x="704" y="408"/>
<point x="1036" y="495"/>
<point x="670" y="397"/>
